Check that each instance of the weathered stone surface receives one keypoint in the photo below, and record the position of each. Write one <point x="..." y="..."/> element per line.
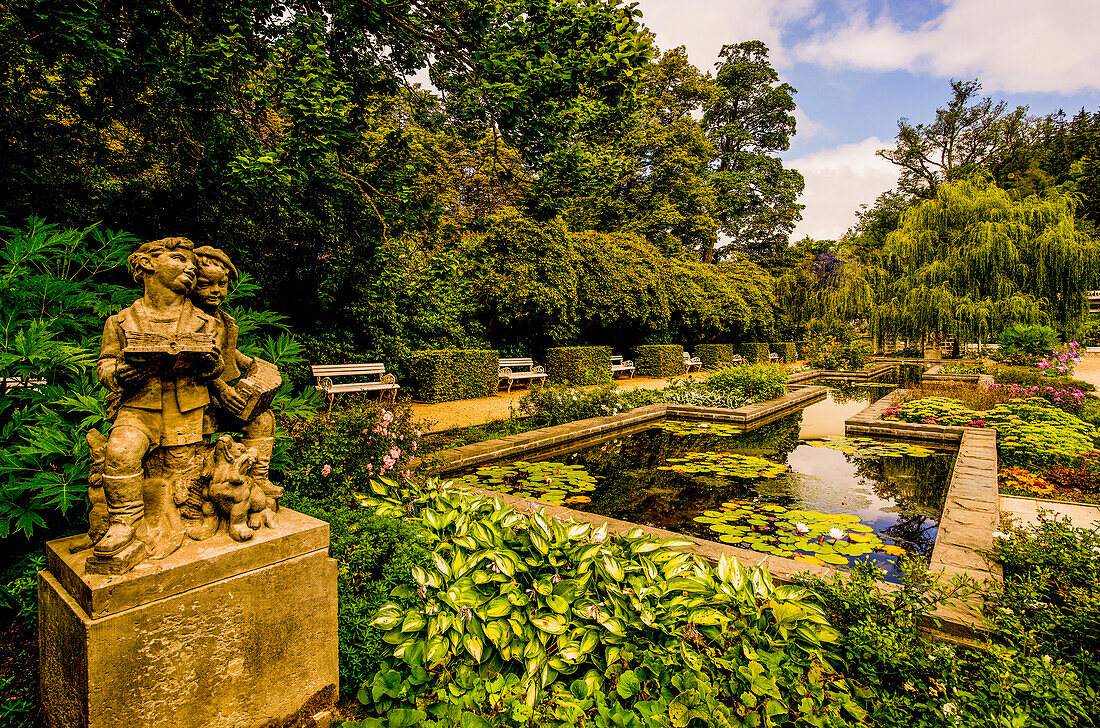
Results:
<point x="177" y="643"/>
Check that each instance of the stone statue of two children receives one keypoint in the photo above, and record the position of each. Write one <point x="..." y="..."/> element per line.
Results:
<point x="169" y="361"/>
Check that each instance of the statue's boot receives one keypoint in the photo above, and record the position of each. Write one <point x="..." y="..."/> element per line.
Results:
<point x="125" y="507"/>
<point x="263" y="447"/>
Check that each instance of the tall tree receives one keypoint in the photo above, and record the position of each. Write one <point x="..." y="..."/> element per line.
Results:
<point x="751" y="119"/>
<point x="969" y="134"/>
<point x="973" y="260"/>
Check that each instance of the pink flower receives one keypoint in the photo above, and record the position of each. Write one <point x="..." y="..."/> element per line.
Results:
<point x="413" y="445"/>
<point x="416" y="432"/>
<point x="325" y="470"/>
<point x="395" y="452"/>
<point x="406" y="474"/>
<point x="370" y="467"/>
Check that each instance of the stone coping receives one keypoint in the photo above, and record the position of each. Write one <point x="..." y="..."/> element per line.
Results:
<point x="195" y="564"/>
<point x="600" y="429"/>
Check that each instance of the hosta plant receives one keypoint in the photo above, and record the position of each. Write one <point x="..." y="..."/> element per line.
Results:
<point x="526" y="620"/>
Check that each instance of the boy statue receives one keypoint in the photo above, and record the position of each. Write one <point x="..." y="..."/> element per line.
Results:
<point x="158" y="358"/>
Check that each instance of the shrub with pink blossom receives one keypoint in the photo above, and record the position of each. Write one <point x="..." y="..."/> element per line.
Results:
<point x="1061" y="361"/>
<point x="337" y="453"/>
<point x="1061" y="396"/>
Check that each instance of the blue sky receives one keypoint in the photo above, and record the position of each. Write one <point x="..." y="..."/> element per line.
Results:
<point x="860" y="65"/>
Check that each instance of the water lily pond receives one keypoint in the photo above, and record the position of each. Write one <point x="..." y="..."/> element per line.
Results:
<point x="823" y="500"/>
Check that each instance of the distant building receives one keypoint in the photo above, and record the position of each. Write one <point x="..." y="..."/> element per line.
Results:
<point x="1094" y="302"/>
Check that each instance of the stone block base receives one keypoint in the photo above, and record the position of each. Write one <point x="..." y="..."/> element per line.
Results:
<point x="218" y="635"/>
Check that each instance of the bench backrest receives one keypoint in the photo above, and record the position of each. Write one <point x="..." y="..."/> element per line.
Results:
<point x="347" y="370"/>
<point x="616" y="360"/>
<point x="516" y="362"/>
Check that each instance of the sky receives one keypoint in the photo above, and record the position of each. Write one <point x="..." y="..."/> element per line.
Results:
<point x="861" y="65"/>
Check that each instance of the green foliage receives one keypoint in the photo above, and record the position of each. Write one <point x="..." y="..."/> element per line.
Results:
<point x="374" y="555"/>
<point x="578" y="365"/>
<point x="755" y="352"/>
<point x="1022" y="344"/>
<point x="551" y="405"/>
<point x="659" y="360"/>
<point x="786" y="350"/>
<point x="866" y="447"/>
<point x="1030" y="376"/>
<point x="526" y="620"/>
<point x="904" y="678"/>
<point x="725" y="465"/>
<point x="714" y="355"/>
<point x="334" y="454"/>
<point x="1050" y="602"/>
<point x="755" y="382"/>
<point x="448" y="374"/>
<point x="974" y="259"/>
<point x="844" y="353"/>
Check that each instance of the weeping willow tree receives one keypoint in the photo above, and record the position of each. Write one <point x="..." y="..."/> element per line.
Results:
<point x="973" y="260"/>
<point x="830" y="287"/>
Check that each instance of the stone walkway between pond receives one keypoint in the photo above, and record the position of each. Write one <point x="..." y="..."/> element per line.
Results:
<point x="470" y="412"/>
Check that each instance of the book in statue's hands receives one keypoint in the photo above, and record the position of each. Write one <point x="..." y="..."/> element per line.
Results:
<point x="176" y="351"/>
<point x="258" y="388"/>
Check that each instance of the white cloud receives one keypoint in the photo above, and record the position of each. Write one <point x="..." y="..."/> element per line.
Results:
<point x="838" y="181"/>
<point x="1015" y="46"/>
<point x="805" y="127"/>
<point x="704" y="26"/>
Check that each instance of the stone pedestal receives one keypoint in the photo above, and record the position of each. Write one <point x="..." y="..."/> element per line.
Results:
<point x="219" y="634"/>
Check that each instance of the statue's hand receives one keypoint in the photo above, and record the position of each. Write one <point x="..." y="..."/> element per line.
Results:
<point x="231" y="399"/>
<point x="128" y="375"/>
<point x="209" y="365"/>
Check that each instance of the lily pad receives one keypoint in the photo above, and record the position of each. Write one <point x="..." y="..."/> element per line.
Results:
<point x="725" y="464"/>
<point x="718" y="429"/>
<point x="805" y="535"/>
<point x="550" y="482"/>
<point x="866" y="447"/>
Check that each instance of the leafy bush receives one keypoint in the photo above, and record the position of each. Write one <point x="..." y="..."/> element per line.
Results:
<point x="334" y="454"/>
<point x="374" y="555"/>
<point x="786" y="350"/>
<point x="448" y="374"/>
<point x="715" y="355"/>
<point x="904" y="678"/>
<point x="525" y="620"/>
<point x="1022" y="344"/>
<point x="1030" y="377"/>
<point x="549" y="406"/>
<point x="660" y="360"/>
<point x="578" y="365"/>
<point x="1050" y="602"/>
<point x="832" y="353"/>
<point x="755" y="382"/>
<point x="754" y="352"/>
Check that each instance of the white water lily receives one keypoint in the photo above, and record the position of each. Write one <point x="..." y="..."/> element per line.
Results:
<point x="836" y="533"/>
<point x="949" y="709"/>
<point x="801" y="528"/>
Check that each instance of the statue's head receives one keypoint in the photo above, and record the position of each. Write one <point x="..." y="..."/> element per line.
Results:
<point x="169" y="262"/>
<point x="215" y="273"/>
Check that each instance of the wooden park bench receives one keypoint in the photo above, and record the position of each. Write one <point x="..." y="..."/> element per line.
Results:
<point x="518" y="370"/>
<point x="325" y="373"/>
<point x="10" y="384"/>
<point x="773" y="358"/>
<point x="618" y="366"/>
<point x="692" y="361"/>
<point x="737" y="360"/>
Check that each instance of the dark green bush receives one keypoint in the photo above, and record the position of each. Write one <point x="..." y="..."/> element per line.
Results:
<point x="1023" y="344"/>
<point x="800" y="348"/>
<point x="755" y="382"/>
<point x="660" y="360"/>
<point x="552" y="405"/>
<point x="578" y="365"/>
<point x="442" y="375"/>
<point x="907" y="679"/>
<point x="754" y="351"/>
<point x="714" y="355"/>
<point x="786" y="350"/>
<point x="374" y="554"/>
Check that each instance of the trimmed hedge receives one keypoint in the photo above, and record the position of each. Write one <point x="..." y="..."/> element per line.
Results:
<point x="442" y="375"/>
<point x="578" y="364"/>
<point x="660" y="360"/>
<point x="714" y="354"/>
<point x="800" y="348"/>
<point x="755" y="352"/>
<point x="786" y="350"/>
